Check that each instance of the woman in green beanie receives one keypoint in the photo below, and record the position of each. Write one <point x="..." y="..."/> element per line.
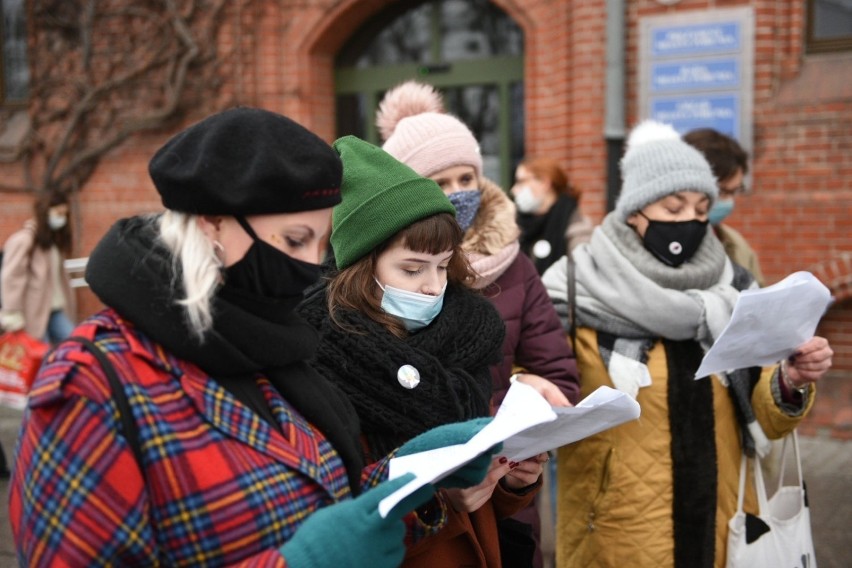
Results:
<point x="404" y="336"/>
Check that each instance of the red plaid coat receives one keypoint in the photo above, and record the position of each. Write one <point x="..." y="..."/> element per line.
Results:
<point x="220" y="486"/>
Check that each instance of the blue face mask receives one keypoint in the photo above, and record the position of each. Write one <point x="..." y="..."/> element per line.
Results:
<point x="720" y="211"/>
<point x="467" y="205"/>
<point x="415" y="310"/>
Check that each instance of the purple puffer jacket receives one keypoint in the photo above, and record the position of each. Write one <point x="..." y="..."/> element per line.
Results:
<point x="535" y="340"/>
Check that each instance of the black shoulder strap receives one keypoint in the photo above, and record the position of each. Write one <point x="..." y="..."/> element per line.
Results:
<point x="131" y="432"/>
<point x="572" y="298"/>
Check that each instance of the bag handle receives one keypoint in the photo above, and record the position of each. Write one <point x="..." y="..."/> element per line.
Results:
<point x="795" y="436"/>
<point x="571" y="297"/>
<point x="131" y="430"/>
<point x="741" y="490"/>
<point x="760" y="487"/>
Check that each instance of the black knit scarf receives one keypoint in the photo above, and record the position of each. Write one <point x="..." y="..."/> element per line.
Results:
<point x="693" y="448"/>
<point x="452" y="356"/>
<point x="131" y="271"/>
<point x="551" y="227"/>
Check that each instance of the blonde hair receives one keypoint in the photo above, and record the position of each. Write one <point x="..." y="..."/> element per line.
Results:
<point x="194" y="252"/>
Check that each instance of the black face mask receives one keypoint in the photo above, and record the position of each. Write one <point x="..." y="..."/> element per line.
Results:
<point x="674" y="242"/>
<point x="267" y="282"/>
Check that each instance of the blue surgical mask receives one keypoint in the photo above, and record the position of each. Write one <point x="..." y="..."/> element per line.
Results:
<point x="720" y="211"/>
<point x="467" y="205"/>
<point x="415" y="310"/>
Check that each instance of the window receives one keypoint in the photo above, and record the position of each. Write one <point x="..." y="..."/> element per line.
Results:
<point x="469" y="49"/>
<point x="829" y="25"/>
<point x="16" y="72"/>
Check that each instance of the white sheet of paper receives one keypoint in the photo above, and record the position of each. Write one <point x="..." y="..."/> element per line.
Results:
<point x="768" y="324"/>
<point x="526" y="424"/>
<point x="524" y="408"/>
<point x="604" y="408"/>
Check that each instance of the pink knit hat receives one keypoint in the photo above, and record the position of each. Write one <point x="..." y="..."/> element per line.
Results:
<point x="418" y="133"/>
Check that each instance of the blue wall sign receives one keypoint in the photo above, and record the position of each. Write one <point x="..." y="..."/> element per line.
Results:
<point x="696" y="69"/>
<point x="721" y="37"/>
<point x="687" y="112"/>
<point x="695" y="75"/>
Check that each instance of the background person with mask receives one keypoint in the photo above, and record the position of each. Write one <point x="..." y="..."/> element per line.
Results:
<point x="35" y="292"/>
<point x="548" y="212"/>
<point x="729" y="162"/>
<point x="654" y="289"/>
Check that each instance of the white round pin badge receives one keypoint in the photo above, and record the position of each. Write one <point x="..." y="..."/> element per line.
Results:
<point x="541" y="249"/>
<point x="408" y="376"/>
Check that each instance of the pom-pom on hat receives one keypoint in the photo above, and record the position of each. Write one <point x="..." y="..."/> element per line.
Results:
<point x="246" y="161"/>
<point x="658" y="163"/>
<point x="381" y="196"/>
<point x="418" y="133"/>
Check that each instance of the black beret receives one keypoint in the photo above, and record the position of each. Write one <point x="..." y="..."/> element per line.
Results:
<point x="246" y="161"/>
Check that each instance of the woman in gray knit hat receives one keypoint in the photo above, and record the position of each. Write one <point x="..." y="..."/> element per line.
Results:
<point x="653" y="289"/>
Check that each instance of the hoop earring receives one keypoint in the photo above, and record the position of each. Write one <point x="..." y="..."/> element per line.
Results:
<point x="219" y="251"/>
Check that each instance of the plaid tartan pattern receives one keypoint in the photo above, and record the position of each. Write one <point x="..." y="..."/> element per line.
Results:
<point x="220" y="486"/>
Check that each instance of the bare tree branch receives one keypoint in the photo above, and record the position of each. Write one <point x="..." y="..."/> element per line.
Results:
<point x="103" y="71"/>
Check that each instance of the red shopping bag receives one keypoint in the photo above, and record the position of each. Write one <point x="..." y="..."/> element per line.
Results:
<point x="20" y="357"/>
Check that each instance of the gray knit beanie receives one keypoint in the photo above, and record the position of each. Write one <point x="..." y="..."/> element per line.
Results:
<point x="658" y="163"/>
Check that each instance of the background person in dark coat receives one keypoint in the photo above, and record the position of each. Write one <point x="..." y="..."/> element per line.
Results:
<point x="548" y="211"/>
<point x="729" y="162"/>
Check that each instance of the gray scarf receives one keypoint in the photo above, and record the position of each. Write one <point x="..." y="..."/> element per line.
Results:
<point x="622" y="290"/>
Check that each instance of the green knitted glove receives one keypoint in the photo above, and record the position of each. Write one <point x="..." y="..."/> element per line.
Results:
<point x="351" y="533"/>
<point x="469" y="474"/>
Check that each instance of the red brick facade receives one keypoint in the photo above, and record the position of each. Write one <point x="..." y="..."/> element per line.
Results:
<point x="797" y="216"/>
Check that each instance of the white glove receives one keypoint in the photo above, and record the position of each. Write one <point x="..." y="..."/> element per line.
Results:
<point x="12" y="321"/>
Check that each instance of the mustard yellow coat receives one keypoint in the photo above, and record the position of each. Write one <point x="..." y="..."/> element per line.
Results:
<point x="615" y="489"/>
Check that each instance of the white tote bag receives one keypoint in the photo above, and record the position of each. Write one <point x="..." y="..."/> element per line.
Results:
<point x="781" y="535"/>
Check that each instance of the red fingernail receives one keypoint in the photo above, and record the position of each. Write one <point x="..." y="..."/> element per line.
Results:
<point x="503" y="460"/>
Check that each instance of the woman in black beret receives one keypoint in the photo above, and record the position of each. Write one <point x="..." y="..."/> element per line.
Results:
<point x="182" y="425"/>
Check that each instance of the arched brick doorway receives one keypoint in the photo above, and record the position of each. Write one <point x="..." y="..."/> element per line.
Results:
<point x="314" y="42"/>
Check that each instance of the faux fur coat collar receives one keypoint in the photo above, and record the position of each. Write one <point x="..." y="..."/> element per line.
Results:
<point x="494" y="227"/>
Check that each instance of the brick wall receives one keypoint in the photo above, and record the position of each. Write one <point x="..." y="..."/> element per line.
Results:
<point x="837" y="324"/>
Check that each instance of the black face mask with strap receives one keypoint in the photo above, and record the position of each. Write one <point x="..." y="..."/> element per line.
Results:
<point x="266" y="281"/>
<point x="673" y="242"/>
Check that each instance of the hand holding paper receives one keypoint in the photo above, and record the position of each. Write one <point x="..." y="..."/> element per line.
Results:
<point x="604" y="408"/>
<point x="526" y="425"/>
<point x="768" y="324"/>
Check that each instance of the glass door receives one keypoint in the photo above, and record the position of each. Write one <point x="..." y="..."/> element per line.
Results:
<point x="469" y="49"/>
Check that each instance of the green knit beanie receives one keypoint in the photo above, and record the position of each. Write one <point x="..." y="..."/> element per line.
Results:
<point x="380" y="197"/>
